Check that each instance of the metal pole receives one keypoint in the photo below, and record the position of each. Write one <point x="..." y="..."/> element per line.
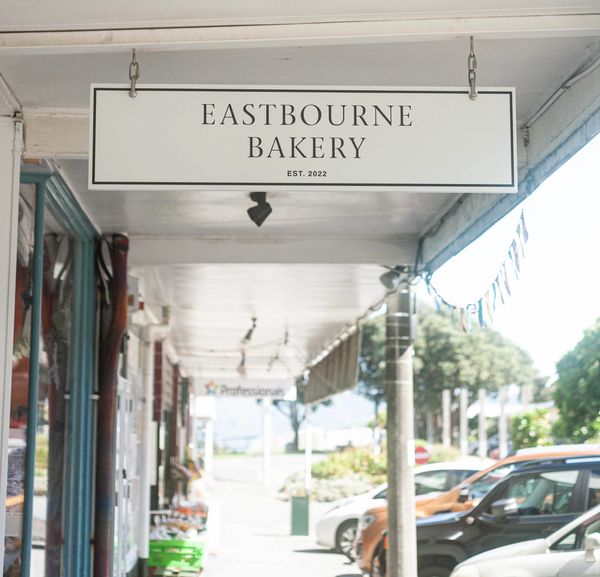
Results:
<point x="267" y="443"/>
<point x="483" y="441"/>
<point x="402" y="539"/>
<point x="446" y="417"/>
<point x="463" y="421"/>
<point x="34" y="375"/>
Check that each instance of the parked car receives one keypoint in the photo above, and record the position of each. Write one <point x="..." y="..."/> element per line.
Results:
<point x="463" y="497"/>
<point x="533" y="502"/>
<point x="572" y="550"/>
<point x="337" y="528"/>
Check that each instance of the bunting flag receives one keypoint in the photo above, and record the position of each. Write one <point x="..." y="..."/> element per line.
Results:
<point x="485" y="307"/>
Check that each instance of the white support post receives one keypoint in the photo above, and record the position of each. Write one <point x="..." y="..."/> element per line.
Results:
<point x="402" y="538"/>
<point x="267" y="441"/>
<point x="150" y="334"/>
<point x="464" y="421"/>
<point x="209" y="447"/>
<point x="446" y="418"/>
<point x="308" y="451"/>
<point x="502" y="425"/>
<point x="148" y="459"/>
<point x="11" y="143"/>
<point x="483" y="441"/>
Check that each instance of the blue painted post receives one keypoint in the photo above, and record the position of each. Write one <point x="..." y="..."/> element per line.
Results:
<point x="34" y="374"/>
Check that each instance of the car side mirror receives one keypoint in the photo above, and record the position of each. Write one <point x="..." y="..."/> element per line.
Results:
<point x="504" y="507"/>
<point x="592" y="548"/>
<point x="465" y="494"/>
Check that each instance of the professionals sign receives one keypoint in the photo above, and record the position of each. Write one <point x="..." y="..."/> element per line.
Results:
<point x="246" y="388"/>
<point x="299" y="138"/>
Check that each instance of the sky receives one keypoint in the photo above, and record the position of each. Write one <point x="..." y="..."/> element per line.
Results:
<point x="557" y="295"/>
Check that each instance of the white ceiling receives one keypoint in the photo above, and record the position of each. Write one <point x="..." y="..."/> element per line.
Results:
<point x="197" y="251"/>
<point x="212" y="307"/>
<point x="69" y="14"/>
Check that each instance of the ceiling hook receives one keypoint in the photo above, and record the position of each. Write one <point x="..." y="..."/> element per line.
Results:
<point x="472" y="67"/>
<point x="134" y="74"/>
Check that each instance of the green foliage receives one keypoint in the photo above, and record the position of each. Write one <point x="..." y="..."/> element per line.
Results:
<point x="352" y="461"/>
<point x="360" y="462"/>
<point x="531" y="429"/>
<point x="441" y="454"/>
<point x="371" y="364"/>
<point x="445" y="358"/>
<point x="577" y="392"/>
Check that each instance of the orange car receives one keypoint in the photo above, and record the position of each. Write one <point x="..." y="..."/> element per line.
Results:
<point x="462" y="498"/>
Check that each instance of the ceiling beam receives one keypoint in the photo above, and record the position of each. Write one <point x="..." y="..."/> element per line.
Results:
<point x="56" y="133"/>
<point x="357" y="31"/>
<point x="185" y="250"/>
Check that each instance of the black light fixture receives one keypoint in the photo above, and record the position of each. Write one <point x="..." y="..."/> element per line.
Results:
<point x="248" y="336"/>
<point x="391" y="278"/>
<point x="259" y="213"/>
<point x="241" y="368"/>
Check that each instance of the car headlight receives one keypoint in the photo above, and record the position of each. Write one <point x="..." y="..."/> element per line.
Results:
<point x="365" y="521"/>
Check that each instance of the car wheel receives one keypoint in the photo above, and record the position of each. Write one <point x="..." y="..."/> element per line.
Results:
<point x="436" y="571"/>
<point x="344" y="538"/>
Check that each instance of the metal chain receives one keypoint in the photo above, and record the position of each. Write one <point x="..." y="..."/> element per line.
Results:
<point x="134" y="74"/>
<point x="472" y="61"/>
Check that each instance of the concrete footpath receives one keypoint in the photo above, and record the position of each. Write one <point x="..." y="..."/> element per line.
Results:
<point x="251" y="526"/>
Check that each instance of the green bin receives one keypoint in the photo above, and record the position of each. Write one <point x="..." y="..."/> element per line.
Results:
<point x="177" y="556"/>
<point x="300" y="515"/>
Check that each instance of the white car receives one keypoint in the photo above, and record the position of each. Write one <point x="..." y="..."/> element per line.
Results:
<point x="571" y="551"/>
<point x="337" y="528"/>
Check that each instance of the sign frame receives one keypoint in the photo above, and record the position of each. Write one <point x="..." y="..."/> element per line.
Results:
<point x="98" y="183"/>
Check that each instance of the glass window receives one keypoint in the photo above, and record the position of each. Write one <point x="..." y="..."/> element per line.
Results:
<point x="594" y="489"/>
<point x="480" y="488"/>
<point x="460" y="476"/>
<point x="50" y="406"/>
<point x="548" y="493"/>
<point x="575" y="540"/>
<point x="430" y="482"/>
<point x="381" y="494"/>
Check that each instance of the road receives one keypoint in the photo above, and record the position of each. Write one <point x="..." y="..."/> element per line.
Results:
<point x="253" y="526"/>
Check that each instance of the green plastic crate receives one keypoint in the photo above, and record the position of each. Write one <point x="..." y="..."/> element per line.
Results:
<point x="178" y="556"/>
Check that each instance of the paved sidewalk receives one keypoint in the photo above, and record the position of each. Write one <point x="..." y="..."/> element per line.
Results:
<point x="254" y="529"/>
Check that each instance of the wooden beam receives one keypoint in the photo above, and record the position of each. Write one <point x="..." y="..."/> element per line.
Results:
<point x="354" y="30"/>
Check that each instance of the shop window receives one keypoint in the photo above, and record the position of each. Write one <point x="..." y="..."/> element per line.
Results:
<point x="50" y="406"/>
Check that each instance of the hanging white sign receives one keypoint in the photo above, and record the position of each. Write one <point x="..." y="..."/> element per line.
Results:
<point x="298" y="138"/>
<point x="246" y="387"/>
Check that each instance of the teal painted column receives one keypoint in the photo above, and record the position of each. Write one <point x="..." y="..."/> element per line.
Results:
<point x="78" y="498"/>
<point x="34" y="375"/>
<point x="78" y="481"/>
<point x="77" y="514"/>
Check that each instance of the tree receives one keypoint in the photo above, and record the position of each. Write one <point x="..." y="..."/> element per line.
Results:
<point x="531" y="429"/>
<point x="371" y="365"/>
<point x="577" y="392"/>
<point x="445" y="358"/>
<point x="297" y="411"/>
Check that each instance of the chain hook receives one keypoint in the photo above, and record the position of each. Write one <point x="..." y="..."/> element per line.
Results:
<point x="134" y="74"/>
<point x="472" y="63"/>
